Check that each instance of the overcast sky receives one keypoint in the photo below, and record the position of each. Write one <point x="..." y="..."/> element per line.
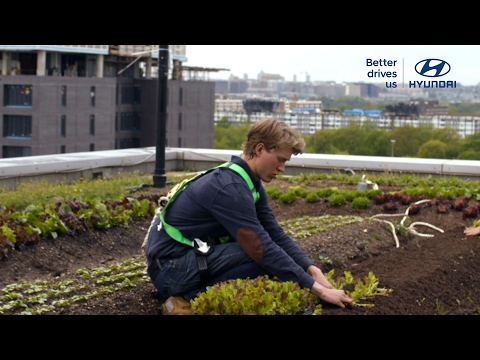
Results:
<point x="340" y="63"/>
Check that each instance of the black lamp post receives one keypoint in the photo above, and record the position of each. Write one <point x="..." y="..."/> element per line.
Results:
<point x="159" y="177"/>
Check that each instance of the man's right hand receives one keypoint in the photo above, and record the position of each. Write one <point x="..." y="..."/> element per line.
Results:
<point x="472" y="231"/>
<point x="332" y="296"/>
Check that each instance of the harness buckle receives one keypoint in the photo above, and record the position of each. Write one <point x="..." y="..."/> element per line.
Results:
<point x="202" y="247"/>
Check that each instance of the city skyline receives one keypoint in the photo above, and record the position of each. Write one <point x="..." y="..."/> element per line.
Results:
<point x="339" y="63"/>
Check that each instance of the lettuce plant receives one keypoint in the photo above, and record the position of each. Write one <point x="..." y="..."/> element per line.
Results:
<point x="259" y="296"/>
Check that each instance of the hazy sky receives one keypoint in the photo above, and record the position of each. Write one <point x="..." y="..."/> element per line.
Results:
<point x="340" y="63"/>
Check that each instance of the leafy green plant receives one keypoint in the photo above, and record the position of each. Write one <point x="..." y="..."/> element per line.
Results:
<point x="350" y="195"/>
<point x="36" y="221"/>
<point x="273" y="192"/>
<point x="325" y="259"/>
<point x="326" y="192"/>
<point x="44" y="296"/>
<point x="299" y="191"/>
<point x="337" y="199"/>
<point x="307" y="226"/>
<point x="371" y="193"/>
<point x="361" y="202"/>
<point x="363" y="289"/>
<point x="259" y="296"/>
<point x="288" y="197"/>
<point x="262" y="296"/>
<point x="312" y="197"/>
<point x="41" y="192"/>
<point x="440" y="308"/>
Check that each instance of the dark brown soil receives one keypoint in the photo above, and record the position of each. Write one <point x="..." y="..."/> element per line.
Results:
<point x="427" y="275"/>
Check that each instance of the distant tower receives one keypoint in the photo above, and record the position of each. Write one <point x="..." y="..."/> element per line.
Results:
<point x="308" y="77"/>
<point x="294" y="78"/>
<point x="245" y="76"/>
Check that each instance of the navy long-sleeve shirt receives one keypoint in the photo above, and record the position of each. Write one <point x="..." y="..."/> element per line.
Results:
<point x="220" y="204"/>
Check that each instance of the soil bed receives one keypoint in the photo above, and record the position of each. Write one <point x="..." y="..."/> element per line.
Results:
<point x="427" y="275"/>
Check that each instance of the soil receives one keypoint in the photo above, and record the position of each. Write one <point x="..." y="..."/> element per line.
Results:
<point x="432" y="275"/>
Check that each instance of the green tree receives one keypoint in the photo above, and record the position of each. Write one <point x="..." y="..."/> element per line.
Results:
<point x="408" y="139"/>
<point x="224" y="122"/>
<point x="469" y="155"/>
<point x="349" y="139"/>
<point x="464" y="108"/>
<point x="377" y="143"/>
<point x="355" y="139"/>
<point x="321" y="142"/>
<point x="471" y="142"/>
<point x="433" y="149"/>
<point x="451" y="138"/>
<point x="230" y="136"/>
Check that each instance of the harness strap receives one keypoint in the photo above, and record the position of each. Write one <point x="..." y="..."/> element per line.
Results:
<point x="176" y="234"/>
<point x="243" y="173"/>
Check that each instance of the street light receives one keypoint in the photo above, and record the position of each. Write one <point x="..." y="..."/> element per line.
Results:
<point x="393" y="144"/>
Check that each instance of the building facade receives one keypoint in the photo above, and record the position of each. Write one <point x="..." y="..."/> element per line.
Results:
<point x="307" y="116"/>
<point x="75" y="98"/>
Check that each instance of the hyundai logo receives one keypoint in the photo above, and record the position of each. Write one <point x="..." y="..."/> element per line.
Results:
<point x="432" y="67"/>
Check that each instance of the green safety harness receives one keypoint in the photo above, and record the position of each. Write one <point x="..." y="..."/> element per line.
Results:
<point x="202" y="248"/>
<point x="174" y="232"/>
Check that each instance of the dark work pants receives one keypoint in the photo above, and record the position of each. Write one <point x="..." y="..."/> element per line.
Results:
<point x="180" y="277"/>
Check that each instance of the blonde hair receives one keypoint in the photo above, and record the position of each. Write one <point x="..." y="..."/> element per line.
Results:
<point x="275" y="134"/>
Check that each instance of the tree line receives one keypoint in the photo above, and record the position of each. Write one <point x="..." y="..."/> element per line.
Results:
<point x="423" y="141"/>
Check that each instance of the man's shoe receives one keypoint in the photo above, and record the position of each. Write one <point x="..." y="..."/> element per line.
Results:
<point x="176" y="305"/>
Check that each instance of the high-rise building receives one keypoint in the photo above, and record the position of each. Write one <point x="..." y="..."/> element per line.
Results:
<point x="76" y="98"/>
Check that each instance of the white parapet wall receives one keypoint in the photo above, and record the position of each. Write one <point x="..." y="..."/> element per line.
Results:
<point x="73" y="166"/>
